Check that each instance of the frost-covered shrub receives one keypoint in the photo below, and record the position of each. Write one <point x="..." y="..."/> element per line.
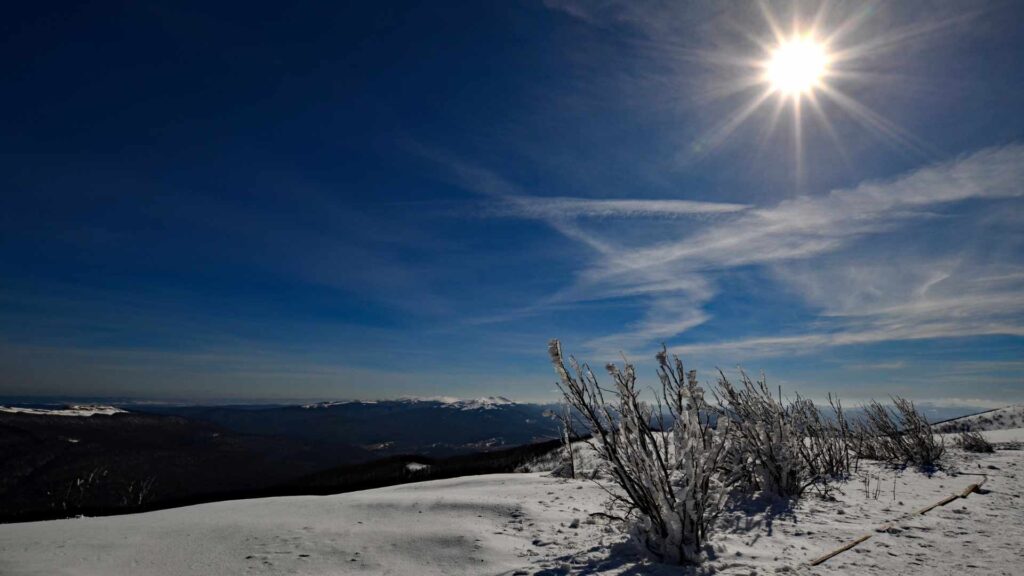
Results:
<point x="829" y="440"/>
<point x="668" y="479"/>
<point x="766" y="442"/>
<point x="586" y="463"/>
<point x="781" y="447"/>
<point x="900" y="435"/>
<point x="974" y="442"/>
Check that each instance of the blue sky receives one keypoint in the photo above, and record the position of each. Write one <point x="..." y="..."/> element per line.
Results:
<point x="270" y="202"/>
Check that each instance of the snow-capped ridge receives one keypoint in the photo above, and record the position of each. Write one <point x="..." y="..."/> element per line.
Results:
<point x="332" y="403"/>
<point x="485" y="403"/>
<point x="71" y="410"/>
<point x="482" y="403"/>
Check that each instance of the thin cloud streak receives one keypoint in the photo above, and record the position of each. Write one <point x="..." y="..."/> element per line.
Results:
<point x="509" y="200"/>
<point x="830" y="250"/>
<point x="806" y="343"/>
<point x="543" y="208"/>
<point x="810" y="225"/>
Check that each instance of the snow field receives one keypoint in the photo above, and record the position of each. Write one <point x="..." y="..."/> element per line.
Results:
<point x="520" y="524"/>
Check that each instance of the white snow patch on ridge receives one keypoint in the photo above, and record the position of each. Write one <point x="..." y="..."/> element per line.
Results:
<point x="337" y="403"/>
<point x="83" y="410"/>
<point x="484" y="403"/>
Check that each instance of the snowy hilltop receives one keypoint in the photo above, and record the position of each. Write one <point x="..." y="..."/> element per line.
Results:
<point x="535" y="523"/>
<point x="485" y="403"/>
<point x="1007" y="417"/>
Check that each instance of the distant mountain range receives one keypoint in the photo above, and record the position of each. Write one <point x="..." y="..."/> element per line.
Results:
<point x="60" y="461"/>
<point x="433" y="426"/>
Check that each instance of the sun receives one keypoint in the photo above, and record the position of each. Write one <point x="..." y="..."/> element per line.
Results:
<point x="803" y="70"/>
<point x="797" y="66"/>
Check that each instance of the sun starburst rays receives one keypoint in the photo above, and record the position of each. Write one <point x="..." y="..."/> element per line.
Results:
<point x="803" y="69"/>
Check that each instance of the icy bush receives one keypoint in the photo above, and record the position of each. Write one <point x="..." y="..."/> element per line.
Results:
<point x="900" y="435"/>
<point x="974" y="442"/>
<point x="585" y="462"/>
<point x="669" y="481"/>
<point x="781" y="447"/>
<point x="829" y="440"/>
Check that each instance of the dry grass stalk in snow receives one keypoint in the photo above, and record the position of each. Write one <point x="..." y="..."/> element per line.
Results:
<point x="568" y="468"/>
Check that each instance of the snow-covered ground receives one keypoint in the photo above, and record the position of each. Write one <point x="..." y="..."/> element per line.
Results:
<point x="536" y="524"/>
<point x="473" y="525"/>
<point x="86" y="410"/>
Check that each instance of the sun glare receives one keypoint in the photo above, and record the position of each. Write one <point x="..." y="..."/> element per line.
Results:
<point x="797" y="66"/>
<point x="801" y="69"/>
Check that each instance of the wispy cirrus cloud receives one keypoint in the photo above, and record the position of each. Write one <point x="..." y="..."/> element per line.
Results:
<point x="812" y="225"/>
<point x="552" y="208"/>
<point x="509" y="200"/>
<point x="877" y="262"/>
